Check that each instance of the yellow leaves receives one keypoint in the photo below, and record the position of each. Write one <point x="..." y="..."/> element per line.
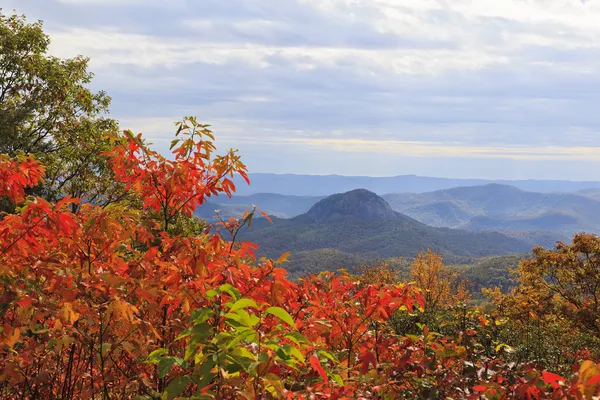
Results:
<point x="438" y="283"/>
<point x="125" y="310"/>
<point x="67" y="314"/>
<point x="504" y="347"/>
<point x="589" y="379"/>
<point x="283" y="258"/>
<point x="185" y="306"/>
<point x="12" y="336"/>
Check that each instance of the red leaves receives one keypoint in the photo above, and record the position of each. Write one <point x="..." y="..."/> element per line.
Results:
<point x="594" y="380"/>
<point x="480" y="388"/>
<point x="552" y="379"/>
<point x="18" y="174"/>
<point x="66" y="223"/>
<point x="316" y="364"/>
<point x="367" y="358"/>
<point x="24" y="303"/>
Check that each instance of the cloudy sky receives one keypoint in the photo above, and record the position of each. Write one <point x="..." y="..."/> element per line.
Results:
<point x="453" y="88"/>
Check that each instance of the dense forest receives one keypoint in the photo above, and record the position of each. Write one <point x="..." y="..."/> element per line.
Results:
<point x="112" y="287"/>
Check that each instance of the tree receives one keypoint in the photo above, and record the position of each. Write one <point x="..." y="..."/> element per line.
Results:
<point x="440" y="285"/>
<point x="568" y="276"/>
<point x="47" y="110"/>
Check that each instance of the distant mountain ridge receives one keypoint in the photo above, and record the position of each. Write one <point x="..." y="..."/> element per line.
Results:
<point x="501" y="207"/>
<point x="325" y="185"/>
<point x="362" y="224"/>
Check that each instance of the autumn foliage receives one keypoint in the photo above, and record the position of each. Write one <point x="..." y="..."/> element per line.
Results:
<point x="120" y="301"/>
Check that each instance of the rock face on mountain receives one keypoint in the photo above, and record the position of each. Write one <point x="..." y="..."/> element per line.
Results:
<point x="359" y="203"/>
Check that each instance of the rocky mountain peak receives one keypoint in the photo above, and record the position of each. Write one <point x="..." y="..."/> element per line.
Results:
<point x="359" y="203"/>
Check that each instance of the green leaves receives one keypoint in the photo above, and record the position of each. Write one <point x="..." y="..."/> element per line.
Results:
<point x="165" y="362"/>
<point x="156" y="355"/>
<point x="176" y="387"/>
<point x="282" y="315"/>
<point x="243" y="303"/>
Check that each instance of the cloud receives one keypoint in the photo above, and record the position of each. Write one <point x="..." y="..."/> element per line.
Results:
<point x="456" y="79"/>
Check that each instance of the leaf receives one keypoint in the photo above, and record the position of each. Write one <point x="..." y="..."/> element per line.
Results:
<point x="105" y="348"/>
<point x="338" y="379"/>
<point x="233" y="292"/>
<point x="176" y="387"/>
<point x="283" y="258"/>
<point x="24" y="303"/>
<point x="504" y="347"/>
<point x="13" y="337"/>
<point x="367" y="358"/>
<point x="316" y="364"/>
<point x="296" y="337"/>
<point x="243" y="303"/>
<point x="552" y="379"/>
<point x="594" y="380"/>
<point x="296" y="353"/>
<point x="65" y="222"/>
<point x="156" y="355"/>
<point x="164" y="366"/>
<point x="68" y="314"/>
<point x="151" y="253"/>
<point x="282" y="315"/>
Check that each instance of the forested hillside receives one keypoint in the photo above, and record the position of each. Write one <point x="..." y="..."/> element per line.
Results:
<point x="361" y="223"/>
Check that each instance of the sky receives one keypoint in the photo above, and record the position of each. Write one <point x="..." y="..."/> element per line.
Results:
<point x="451" y="88"/>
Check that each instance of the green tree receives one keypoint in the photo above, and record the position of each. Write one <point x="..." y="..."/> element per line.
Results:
<point x="48" y="111"/>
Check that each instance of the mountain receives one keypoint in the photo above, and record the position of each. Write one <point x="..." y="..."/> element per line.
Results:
<point x="593" y="193"/>
<point x="325" y="185"/>
<point x="501" y="207"/>
<point x="362" y="224"/>
<point x="359" y="203"/>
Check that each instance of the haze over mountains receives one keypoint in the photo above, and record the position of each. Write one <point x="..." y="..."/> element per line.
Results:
<point x="501" y="207"/>
<point x="325" y="185"/>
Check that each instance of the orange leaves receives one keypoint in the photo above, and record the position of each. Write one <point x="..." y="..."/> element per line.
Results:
<point x="151" y="253"/>
<point x="176" y="186"/>
<point x="10" y="335"/>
